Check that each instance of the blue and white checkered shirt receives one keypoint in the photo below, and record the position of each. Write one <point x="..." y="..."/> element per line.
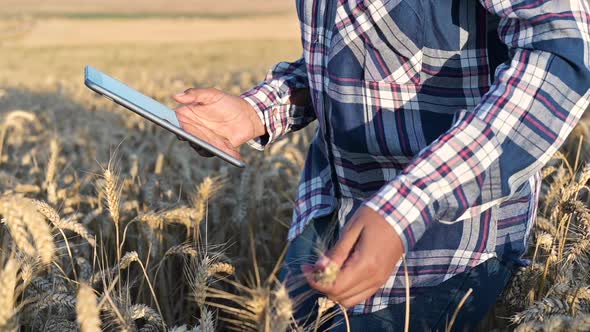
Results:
<point x="437" y="114"/>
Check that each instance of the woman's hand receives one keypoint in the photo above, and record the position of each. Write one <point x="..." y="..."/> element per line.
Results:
<point x="221" y="119"/>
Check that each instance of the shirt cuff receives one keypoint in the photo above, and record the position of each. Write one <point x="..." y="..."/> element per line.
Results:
<point x="406" y="208"/>
<point x="277" y="118"/>
<point x="262" y="99"/>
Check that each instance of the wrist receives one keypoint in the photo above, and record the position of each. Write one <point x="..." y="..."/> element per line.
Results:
<point x="256" y="123"/>
<point x="375" y="216"/>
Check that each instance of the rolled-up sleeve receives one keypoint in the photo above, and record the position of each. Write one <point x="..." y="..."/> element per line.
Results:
<point x="273" y="101"/>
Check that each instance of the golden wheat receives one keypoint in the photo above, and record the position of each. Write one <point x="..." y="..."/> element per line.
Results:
<point x="223" y="268"/>
<point x="87" y="310"/>
<point x="112" y="190"/>
<point x="8" y="281"/>
<point x="69" y="224"/>
<point x="327" y="275"/>
<point x="142" y="311"/>
<point x="30" y="231"/>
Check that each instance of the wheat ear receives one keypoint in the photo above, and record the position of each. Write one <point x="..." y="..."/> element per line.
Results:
<point x="112" y="191"/>
<point x="282" y="309"/>
<point x="7" y="293"/>
<point x="23" y="220"/>
<point x="207" y="322"/>
<point x="87" y="310"/>
<point x="217" y="268"/>
<point x="64" y="224"/>
<point x="142" y="311"/>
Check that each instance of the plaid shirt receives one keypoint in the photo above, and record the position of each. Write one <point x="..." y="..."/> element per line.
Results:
<point x="436" y="114"/>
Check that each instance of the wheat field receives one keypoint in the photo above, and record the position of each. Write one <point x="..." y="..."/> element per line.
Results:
<point x="110" y="223"/>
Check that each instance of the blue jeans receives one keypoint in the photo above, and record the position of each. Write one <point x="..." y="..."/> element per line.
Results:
<point x="430" y="311"/>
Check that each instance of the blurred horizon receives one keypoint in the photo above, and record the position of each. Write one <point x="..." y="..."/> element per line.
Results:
<point x="135" y="8"/>
<point x="32" y="23"/>
<point x="55" y="38"/>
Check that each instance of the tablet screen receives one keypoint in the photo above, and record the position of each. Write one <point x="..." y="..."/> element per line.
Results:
<point x="131" y="95"/>
<point x="149" y="109"/>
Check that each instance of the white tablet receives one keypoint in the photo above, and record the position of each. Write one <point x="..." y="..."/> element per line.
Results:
<point x="147" y="108"/>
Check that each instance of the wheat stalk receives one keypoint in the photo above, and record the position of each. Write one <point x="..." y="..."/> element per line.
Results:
<point x="456" y="312"/>
<point x="51" y="170"/>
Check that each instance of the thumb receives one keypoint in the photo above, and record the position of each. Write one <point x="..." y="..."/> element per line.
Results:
<point x="199" y="95"/>
<point x="184" y="97"/>
<point x="342" y="250"/>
